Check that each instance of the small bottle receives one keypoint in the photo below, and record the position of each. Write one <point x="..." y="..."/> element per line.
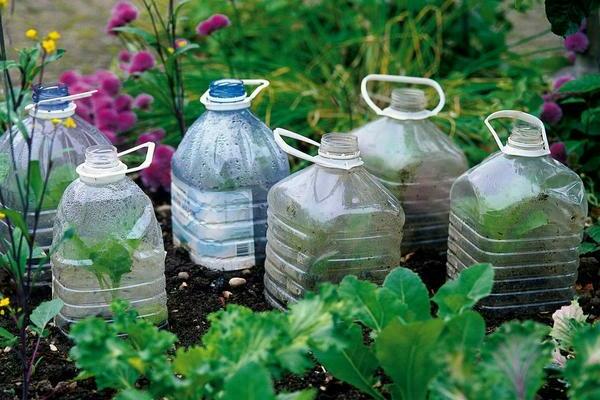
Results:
<point x="414" y="159"/>
<point x="523" y="212"/>
<point x="58" y="139"/>
<point x="107" y="242"/>
<point x="222" y="171"/>
<point x="328" y="220"/>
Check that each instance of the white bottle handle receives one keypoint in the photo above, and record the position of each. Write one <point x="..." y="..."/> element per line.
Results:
<point x="522" y="116"/>
<point x="60" y="99"/>
<point x="346" y="164"/>
<point x="149" y="156"/>
<point x="244" y="102"/>
<point x="110" y="174"/>
<point x="402" y="115"/>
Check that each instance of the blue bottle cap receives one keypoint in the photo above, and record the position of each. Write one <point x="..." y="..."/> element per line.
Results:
<point x="227" y="91"/>
<point x="52" y="91"/>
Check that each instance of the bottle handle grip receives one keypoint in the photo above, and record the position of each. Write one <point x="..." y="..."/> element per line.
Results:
<point x="396" y="114"/>
<point x="59" y="99"/>
<point x="151" y="146"/>
<point x="521" y="116"/>
<point x="260" y="83"/>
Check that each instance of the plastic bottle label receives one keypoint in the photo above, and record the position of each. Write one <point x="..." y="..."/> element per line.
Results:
<point x="213" y="224"/>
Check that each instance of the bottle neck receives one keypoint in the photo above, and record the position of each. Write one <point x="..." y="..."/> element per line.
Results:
<point x="101" y="166"/>
<point x="408" y="100"/>
<point x="340" y="148"/>
<point x="526" y="137"/>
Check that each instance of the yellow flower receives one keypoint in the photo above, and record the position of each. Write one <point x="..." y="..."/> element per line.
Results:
<point x="4" y="302"/>
<point x="31" y="33"/>
<point x="49" y="46"/>
<point x="171" y="50"/>
<point x="56" y="121"/>
<point x="70" y="123"/>
<point x="3" y="3"/>
<point x="2" y="215"/>
<point x="54" y="35"/>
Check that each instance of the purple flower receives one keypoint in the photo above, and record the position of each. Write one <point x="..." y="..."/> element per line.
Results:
<point x="561" y="80"/>
<point x="158" y="174"/>
<point x="107" y="119"/>
<point x="126" y="120"/>
<point x="102" y="101"/>
<point x="155" y="136"/>
<point x="551" y="112"/>
<point x="69" y="78"/>
<point x="212" y="24"/>
<point x="111" y="84"/>
<point x="141" y="61"/>
<point x="577" y="42"/>
<point x="124" y="56"/>
<point x="143" y="101"/>
<point x="558" y="151"/>
<point x="123" y="102"/>
<point x="571" y="56"/>
<point x="125" y="11"/>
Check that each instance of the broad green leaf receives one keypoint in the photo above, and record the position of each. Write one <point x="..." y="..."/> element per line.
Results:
<point x="411" y="291"/>
<point x="250" y="382"/>
<point x="590" y="120"/>
<point x="134" y="394"/>
<point x="583" y="370"/>
<point x="462" y="293"/>
<point x="407" y="355"/>
<point x="7" y="338"/>
<point x="594" y="232"/>
<point x="534" y="220"/>
<point x="43" y="313"/>
<point x="587" y="248"/>
<point x="308" y="394"/>
<point x="464" y="333"/>
<point x="584" y="84"/>
<point x="354" y="364"/>
<point x="513" y="360"/>
<point x="373" y="306"/>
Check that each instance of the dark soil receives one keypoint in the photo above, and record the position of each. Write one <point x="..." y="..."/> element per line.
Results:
<point x="190" y="300"/>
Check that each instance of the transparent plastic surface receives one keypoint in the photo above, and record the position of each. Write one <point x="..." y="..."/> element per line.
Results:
<point x="525" y="215"/>
<point x="325" y="223"/>
<point x="222" y="172"/>
<point x="108" y="245"/>
<point x="65" y="148"/>
<point x="418" y="163"/>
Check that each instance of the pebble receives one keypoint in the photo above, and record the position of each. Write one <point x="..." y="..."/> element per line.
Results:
<point x="246" y="272"/>
<point x="183" y="275"/>
<point x="183" y="286"/>
<point x="7" y="349"/>
<point x="235" y="282"/>
<point x="164" y="209"/>
<point x="53" y="347"/>
<point x="227" y="294"/>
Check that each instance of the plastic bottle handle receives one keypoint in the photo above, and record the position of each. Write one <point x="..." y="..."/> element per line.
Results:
<point x="59" y="99"/>
<point x="149" y="156"/>
<point x="522" y="116"/>
<point x="402" y="115"/>
<point x="261" y="83"/>
<point x="340" y="164"/>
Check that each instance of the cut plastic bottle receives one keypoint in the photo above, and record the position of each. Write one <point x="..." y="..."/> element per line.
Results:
<point x="414" y="159"/>
<point x="59" y="137"/>
<point x="222" y="171"/>
<point x="523" y="212"/>
<point x="107" y="243"/>
<point x="327" y="221"/>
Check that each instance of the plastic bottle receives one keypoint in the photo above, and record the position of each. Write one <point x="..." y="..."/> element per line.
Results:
<point x="107" y="242"/>
<point x="523" y="212"/>
<point x="328" y="220"/>
<point x="414" y="159"/>
<point x="222" y="172"/>
<point x="58" y="136"/>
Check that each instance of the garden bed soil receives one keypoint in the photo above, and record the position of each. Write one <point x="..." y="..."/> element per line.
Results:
<point x="192" y="298"/>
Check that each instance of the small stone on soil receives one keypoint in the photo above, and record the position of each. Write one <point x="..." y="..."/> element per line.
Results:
<point x="53" y="347"/>
<point x="183" y="275"/>
<point x="164" y="209"/>
<point x="236" y="282"/>
<point x="183" y="286"/>
<point x="218" y="284"/>
<point x="246" y="272"/>
<point x="227" y="294"/>
<point x="7" y="349"/>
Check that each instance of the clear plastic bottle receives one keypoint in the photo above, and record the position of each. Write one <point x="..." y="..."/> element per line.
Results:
<point x="414" y="159"/>
<point x="61" y="143"/>
<point x="107" y="242"/>
<point x="327" y="221"/>
<point x="222" y="171"/>
<point x="523" y="212"/>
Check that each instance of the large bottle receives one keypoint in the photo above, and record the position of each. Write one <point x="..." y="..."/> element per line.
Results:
<point x="523" y="212"/>
<point x="222" y="171"/>
<point x="329" y="220"/>
<point x="414" y="159"/>
<point x="58" y="139"/>
<point x="107" y="242"/>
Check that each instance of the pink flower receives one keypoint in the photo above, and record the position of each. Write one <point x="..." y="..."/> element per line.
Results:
<point x="158" y="174"/>
<point x="180" y="42"/>
<point x="571" y="56"/>
<point x="126" y="120"/>
<point x="212" y="24"/>
<point x="561" y="80"/>
<point x="69" y="78"/>
<point x="123" y="102"/>
<point x="122" y="13"/>
<point x="551" y="112"/>
<point x="141" y="62"/>
<point x="124" y="56"/>
<point x="558" y="151"/>
<point x="155" y="136"/>
<point x="107" y="119"/>
<point x="143" y="101"/>
<point x="577" y="42"/>
<point x="101" y="101"/>
<point x="111" y="84"/>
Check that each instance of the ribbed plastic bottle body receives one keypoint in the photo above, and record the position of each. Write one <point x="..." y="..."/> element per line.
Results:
<point x="65" y="147"/>
<point x="525" y="216"/>
<point x="222" y="172"/>
<point x="108" y="245"/>
<point x="327" y="223"/>
<point x="418" y="164"/>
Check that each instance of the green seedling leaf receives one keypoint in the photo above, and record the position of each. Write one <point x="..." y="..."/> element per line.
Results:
<point x="407" y="355"/>
<point x="7" y="338"/>
<point x="534" y="220"/>
<point x="584" y="84"/>
<point x="587" y="248"/>
<point x="594" y="232"/>
<point x="583" y="370"/>
<point x="43" y="313"/>
<point x="567" y="321"/>
<point x="411" y="291"/>
<point x="134" y="394"/>
<point x="250" y="382"/>
<point x="462" y="293"/>
<point x="308" y="394"/>
<point x="513" y="360"/>
<point x="355" y="364"/>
